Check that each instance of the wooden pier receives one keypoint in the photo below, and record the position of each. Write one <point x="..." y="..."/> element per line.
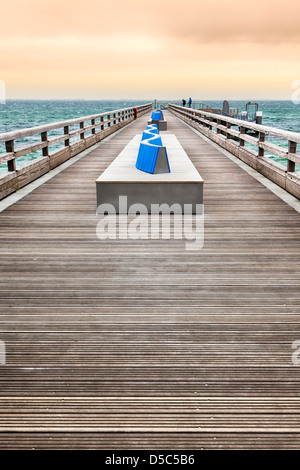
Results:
<point x="130" y="344"/>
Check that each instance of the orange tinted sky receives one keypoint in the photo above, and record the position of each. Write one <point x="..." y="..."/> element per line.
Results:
<point x="150" y="49"/>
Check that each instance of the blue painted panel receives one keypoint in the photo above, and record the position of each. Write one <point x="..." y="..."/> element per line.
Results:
<point x="147" y="157"/>
<point x="157" y="116"/>
<point x="153" y="128"/>
<point x="154" y="139"/>
<point x="148" y="151"/>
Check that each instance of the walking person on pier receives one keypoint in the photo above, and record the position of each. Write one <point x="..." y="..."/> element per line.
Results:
<point x="190" y="102"/>
<point x="183" y="102"/>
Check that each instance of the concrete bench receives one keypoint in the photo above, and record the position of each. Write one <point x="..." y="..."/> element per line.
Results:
<point x="152" y="155"/>
<point x="183" y="185"/>
<point x="157" y="118"/>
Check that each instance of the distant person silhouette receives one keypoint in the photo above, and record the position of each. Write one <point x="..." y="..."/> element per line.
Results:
<point x="190" y="102"/>
<point x="183" y="103"/>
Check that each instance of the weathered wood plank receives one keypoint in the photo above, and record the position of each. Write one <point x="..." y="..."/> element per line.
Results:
<point x="5" y="157"/>
<point x="195" y="347"/>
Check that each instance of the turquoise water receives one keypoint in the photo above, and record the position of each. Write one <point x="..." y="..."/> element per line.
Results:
<point x="282" y="114"/>
<point x="18" y="114"/>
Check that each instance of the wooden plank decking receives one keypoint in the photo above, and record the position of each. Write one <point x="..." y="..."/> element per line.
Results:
<point x="131" y="345"/>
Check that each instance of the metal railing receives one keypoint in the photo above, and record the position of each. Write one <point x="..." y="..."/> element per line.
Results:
<point x="194" y="105"/>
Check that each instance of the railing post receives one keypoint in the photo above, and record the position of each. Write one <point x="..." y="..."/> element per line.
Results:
<point x="66" y="132"/>
<point x="290" y="163"/>
<point x="228" y="126"/>
<point x="108" y="119"/>
<point x="242" y="131"/>
<point x="10" y="148"/>
<point x="102" y="125"/>
<point x="218" y="123"/>
<point x="224" y="124"/>
<point x="261" y="138"/>
<point x="82" y="133"/>
<point x="94" y="129"/>
<point x="45" y="150"/>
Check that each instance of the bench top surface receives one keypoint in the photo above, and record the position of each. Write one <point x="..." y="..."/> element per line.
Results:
<point x="123" y="169"/>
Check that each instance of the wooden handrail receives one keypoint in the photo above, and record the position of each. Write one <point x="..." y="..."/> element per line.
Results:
<point x="219" y="129"/>
<point x="20" y="133"/>
<point x="195" y="105"/>
<point x="9" y="137"/>
<point x="287" y="135"/>
<point x="98" y="126"/>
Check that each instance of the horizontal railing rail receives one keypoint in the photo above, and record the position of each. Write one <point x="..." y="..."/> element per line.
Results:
<point x="232" y="135"/>
<point x="88" y="131"/>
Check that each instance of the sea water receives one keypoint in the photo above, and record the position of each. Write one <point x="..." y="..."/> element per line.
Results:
<point x="20" y="114"/>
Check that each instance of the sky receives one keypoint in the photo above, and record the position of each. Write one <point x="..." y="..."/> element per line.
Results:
<point x="154" y="49"/>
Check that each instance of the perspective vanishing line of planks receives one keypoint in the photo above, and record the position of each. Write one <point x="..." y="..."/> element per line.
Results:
<point x="139" y="344"/>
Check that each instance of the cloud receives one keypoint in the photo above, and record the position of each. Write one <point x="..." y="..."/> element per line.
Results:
<point x="260" y="21"/>
<point x="153" y="47"/>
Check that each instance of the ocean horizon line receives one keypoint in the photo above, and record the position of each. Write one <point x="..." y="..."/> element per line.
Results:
<point x="145" y="99"/>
